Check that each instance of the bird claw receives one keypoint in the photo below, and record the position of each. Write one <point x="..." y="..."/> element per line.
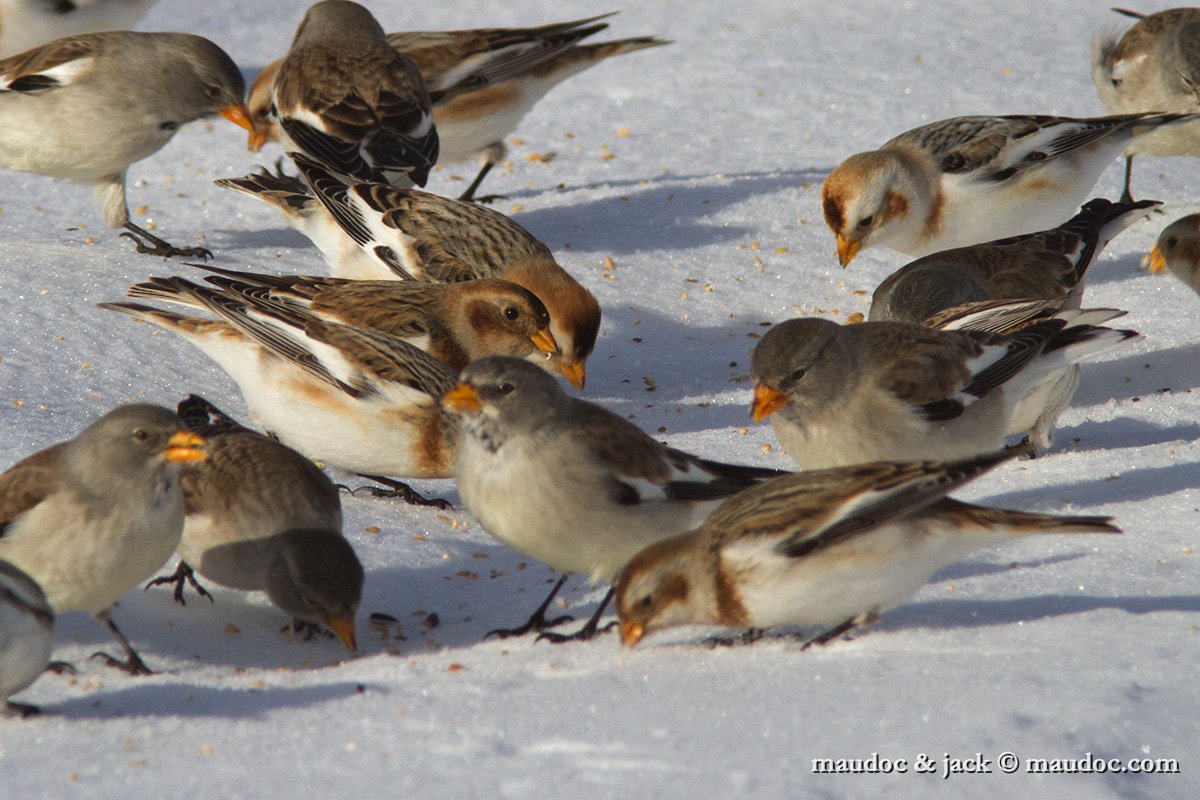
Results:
<point x="401" y="490"/>
<point x="158" y="247"/>
<point x="183" y="574"/>
<point x="131" y="666"/>
<point x="61" y="668"/>
<point x="588" y="631"/>
<point x="537" y="622"/>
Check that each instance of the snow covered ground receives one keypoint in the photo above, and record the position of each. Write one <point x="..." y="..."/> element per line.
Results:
<point x="696" y="168"/>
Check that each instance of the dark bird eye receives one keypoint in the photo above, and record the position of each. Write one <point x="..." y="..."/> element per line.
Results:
<point x="799" y="374"/>
<point x="140" y="434"/>
<point x="1172" y="241"/>
<point x="865" y="222"/>
<point x="645" y="602"/>
<point x="169" y="126"/>
<point x="212" y="91"/>
<point x="505" y="388"/>
<point x="511" y="313"/>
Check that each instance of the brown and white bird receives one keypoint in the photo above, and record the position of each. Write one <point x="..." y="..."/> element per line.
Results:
<point x="1153" y="67"/>
<point x="966" y="180"/>
<point x="457" y="322"/>
<point x="481" y="82"/>
<point x="92" y="517"/>
<point x="835" y="547"/>
<point x="86" y="108"/>
<point x="351" y="397"/>
<point x="348" y="99"/>
<point x="380" y="232"/>
<point x="1178" y="250"/>
<point x="26" y="636"/>
<point x="26" y="23"/>
<point x="898" y="391"/>
<point x="570" y="483"/>
<point x="262" y="517"/>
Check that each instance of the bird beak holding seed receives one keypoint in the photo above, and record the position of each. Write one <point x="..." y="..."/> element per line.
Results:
<point x="847" y="249"/>
<point x="766" y="402"/>
<point x="343" y="628"/>
<point x="462" y="398"/>
<point x="544" y="341"/>
<point x="185" y="446"/>
<point x="632" y="633"/>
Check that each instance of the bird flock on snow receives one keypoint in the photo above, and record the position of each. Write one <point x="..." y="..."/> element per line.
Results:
<point x="435" y="346"/>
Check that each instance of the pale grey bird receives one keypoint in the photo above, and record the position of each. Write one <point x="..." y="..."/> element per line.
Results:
<point x="85" y="108"/>
<point x="1178" y="250"/>
<point x="92" y="517"/>
<point x="897" y="391"/>
<point x="569" y="483"/>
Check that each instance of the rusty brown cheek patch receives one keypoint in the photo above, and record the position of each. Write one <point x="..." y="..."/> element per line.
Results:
<point x="730" y="610"/>
<point x="832" y="206"/>
<point x="935" y="222"/>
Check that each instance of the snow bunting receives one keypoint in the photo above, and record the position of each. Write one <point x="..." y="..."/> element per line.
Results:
<point x="26" y="23"/>
<point x="457" y="323"/>
<point x="262" y="517"/>
<point x="1155" y="67"/>
<point x="349" y="100"/>
<point x="840" y="395"/>
<point x="481" y="82"/>
<point x="1049" y="265"/>
<point x="351" y="397"/>
<point x="26" y="636"/>
<point x="569" y="483"/>
<point x="1178" y="249"/>
<point x="830" y="547"/>
<point x="404" y="234"/>
<point x="91" y="518"/>
<point x="967" y="180"/>
<point x="85" y="108"/>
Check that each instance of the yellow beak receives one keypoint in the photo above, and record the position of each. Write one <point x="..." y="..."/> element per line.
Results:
<point x="1158" y="262"/>
<point x="462" y="398"/>
<point x="238" y="115"/>
<point x="847" y="249"/>
<point x="343" y="628"/>
<point x="632" y="633"/>
<point x="185" y="446"/>
<point x="766" y="402"/>
<point x="575" y="372"/>
<point x="544" y="340"/>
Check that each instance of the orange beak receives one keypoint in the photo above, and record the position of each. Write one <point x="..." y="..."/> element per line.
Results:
<point x="575" y="372"/>
<point x="462" y="398"/>
<point x="543" y="340"/>
<point x="766" y="402"/>
<point x="185" y="446"/>
<point x="847" y="249"/>
<point x="343" y="628"/>
<point x="255" y="141"/>
<point x="238" y="115"/>
<point x="1157" y="261"/>
<point x="632" y="633"/>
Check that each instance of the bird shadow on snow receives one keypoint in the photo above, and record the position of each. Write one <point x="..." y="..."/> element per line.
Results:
<point x="1127" y="487"/>
<point x="152" y="698"/>
<point x="662" y="212"/>
<point x="949" y="614"/>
